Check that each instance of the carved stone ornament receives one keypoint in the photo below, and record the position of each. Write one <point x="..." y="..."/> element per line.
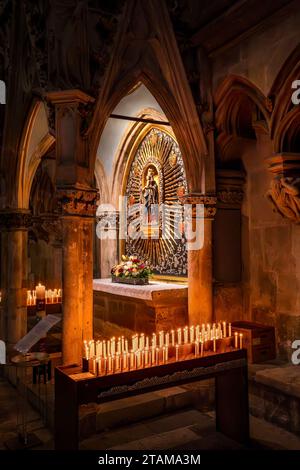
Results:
<point x="285" y="197"/>
<point x="208" y="202"/>
<point x="77" y="202"/>
<point x="47" y="227"/>
<point x="15" y="219"/>
<point x="231" y="197"/>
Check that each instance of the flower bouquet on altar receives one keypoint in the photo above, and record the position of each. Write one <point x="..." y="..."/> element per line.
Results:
<point x="131" y="270"/>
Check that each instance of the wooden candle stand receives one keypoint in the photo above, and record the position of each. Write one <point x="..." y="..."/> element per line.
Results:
<point x="74" y="388"/>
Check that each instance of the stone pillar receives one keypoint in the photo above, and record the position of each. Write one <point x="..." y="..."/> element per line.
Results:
<point x="78" y="209"/>
<point x="200" y="280"/>
<point x="77" y="206"/>
<point x="14" y="226"/>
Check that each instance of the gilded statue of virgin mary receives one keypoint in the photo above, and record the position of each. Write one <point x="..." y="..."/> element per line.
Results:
<point x="149" y="196"/>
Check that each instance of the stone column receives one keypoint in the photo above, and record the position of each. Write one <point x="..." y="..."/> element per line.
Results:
<point x="77" y="204"/>
<point x="200" y="279"/>
<point x="14" y="226"/>
<point x="78" y="209"/>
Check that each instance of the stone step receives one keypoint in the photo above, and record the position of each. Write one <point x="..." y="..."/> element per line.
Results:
<point x="275" y="395"/>
<point x="188" y="429"/>
<point x="100" y="417"/>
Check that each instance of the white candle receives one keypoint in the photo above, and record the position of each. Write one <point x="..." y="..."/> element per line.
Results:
<point x="192" y="334"/>
<point x="179" y="335"/>
<point x="173" y="337"/>
<point x="122" y="344"/>
<point x="224" y="329"/>
<point x="119" y="346"/>
<point x="186" y="335"/>
<point x="117" y="361"/>
<point x="126" y="345"/>
<point x="113" y="346"/>
<point x="214" y="344"/>
<point x="167" y="353"/>
<point x="154" y="340"/>
<point x="138" y="358"/>
<point x="143" y="358"/>
<point x="142" y="341"/>
<point x="229" y="329"/>
<point x="241" y="340"/>
<point x="153" y="356"/>
<point x="177" y="352"/>
<point x="146" y="357"/>
<point x="109" y="363"/>
<point x="164" y="354"/>
<point x="132" y="359"/>
<point x="167" y="339"/>
<point x="147" y="342"/>
<point x="235" y="340"/>
<point x="161" y="339"/>
<point x="201" y="348"/>
<point x="197" y="332"/>
<point x="157" y="356"/>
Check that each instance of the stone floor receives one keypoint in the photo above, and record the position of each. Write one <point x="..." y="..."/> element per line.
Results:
<point x="183" y="429"/>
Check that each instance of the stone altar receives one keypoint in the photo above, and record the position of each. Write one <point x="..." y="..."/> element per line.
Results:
<point x="153" y="307"/>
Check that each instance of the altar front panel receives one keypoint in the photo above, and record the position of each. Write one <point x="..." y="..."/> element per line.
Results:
<point x="154" y="307"/>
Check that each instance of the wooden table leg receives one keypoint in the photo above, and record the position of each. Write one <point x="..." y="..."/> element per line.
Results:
<point x="66" y="432"/>
<point x="232" y="405"/>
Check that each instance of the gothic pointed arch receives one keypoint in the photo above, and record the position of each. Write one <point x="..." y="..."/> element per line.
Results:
<point x="150" y="55"/>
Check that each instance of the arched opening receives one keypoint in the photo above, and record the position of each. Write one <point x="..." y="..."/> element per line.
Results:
<point x="137" y="140"/>
<point x="243" y="144"/>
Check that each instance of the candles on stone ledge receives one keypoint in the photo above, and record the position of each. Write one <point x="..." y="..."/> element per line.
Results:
<point x="120" y="354"/>
<point x="51" y="296"/>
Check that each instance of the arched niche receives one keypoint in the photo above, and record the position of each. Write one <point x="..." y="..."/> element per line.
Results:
<point x="116" y="151"/>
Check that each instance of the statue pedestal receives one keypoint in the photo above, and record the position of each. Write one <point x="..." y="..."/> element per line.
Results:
<point x="153" y="307"/>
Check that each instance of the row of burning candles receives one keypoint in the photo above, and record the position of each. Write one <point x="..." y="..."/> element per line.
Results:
<point x="112" y="356"/>
<point x="41" y="293"/>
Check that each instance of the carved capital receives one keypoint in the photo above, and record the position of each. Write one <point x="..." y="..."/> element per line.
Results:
<point x="230" y="192"/>
<point x="208" y="202"/>
<point x="15" y="219"/>
<point x="77" y="202"/>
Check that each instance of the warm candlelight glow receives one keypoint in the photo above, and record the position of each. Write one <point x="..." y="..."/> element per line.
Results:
<point x="112" y="355"/>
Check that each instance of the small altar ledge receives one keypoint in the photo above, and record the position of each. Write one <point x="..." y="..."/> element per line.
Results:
<point x="149" y="308"/>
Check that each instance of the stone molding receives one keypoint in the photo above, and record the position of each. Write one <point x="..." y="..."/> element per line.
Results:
<point x="18" y="219"/>
<point x="230" y="197"/>
<point x="207" y="200"/>
<point x="77" y="202"/>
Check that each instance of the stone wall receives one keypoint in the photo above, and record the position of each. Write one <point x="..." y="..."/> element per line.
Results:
<point x="274" y="254"/>
<point x="270" y="243"/>
<point x="260" y="55"/>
